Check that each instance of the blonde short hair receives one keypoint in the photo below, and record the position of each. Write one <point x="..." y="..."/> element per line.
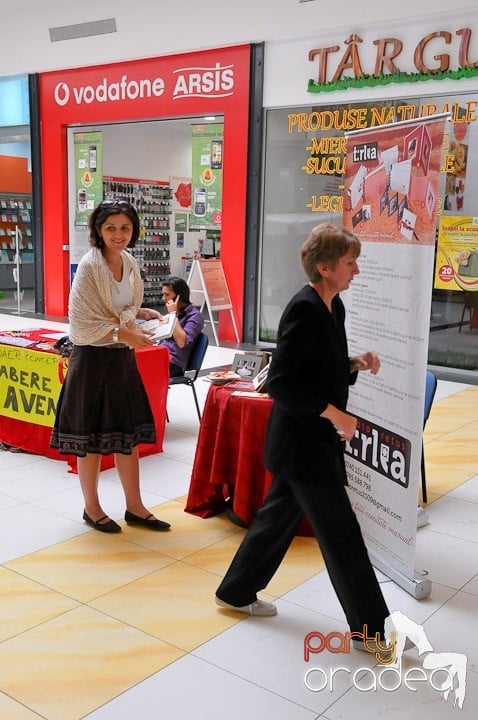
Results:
<point x="326" y="244"/>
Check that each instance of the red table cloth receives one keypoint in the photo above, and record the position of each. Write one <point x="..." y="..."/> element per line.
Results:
<point x="153" y="364"/>
<point x="229" y="455"/>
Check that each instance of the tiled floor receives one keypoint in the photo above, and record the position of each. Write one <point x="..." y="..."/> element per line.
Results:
<point x="119" y="627"/>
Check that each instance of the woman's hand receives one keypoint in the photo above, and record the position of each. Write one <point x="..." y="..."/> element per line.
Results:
<point x="344" y="424"/>
<point x="367" y="361"/>
<point x="135" y="339"/>
<point x="148" y="314"/>
<point x="172" y="305"/>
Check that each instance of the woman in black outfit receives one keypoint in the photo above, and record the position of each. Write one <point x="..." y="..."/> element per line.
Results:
<point x="308" y="379"/>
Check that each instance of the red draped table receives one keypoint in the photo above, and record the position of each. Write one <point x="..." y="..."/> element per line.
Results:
<point x="229" y="455"/>
<point x="27" y="384"/>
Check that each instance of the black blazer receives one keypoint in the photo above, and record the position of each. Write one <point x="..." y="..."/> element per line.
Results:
<point x="309" y="369"/>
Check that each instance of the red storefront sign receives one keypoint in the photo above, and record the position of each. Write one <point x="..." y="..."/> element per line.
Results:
<point x="192" y="84"/>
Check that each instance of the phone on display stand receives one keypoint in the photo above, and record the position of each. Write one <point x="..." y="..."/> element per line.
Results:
<point x="92" y="158"/>
<point x="199" y="202"/>
<point x="216" y="154"/>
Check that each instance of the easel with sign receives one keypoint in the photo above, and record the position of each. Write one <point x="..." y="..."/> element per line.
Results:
<point x="208" y="286"/>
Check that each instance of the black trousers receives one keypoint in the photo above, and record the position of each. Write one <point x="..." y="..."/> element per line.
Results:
<point x="340" y="539"/>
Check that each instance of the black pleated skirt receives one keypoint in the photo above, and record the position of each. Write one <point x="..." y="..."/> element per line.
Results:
<point x="103" y="407"/>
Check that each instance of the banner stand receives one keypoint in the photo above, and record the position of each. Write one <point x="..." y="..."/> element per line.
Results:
<point x="419" y="586"/>
<point x="207" y="280"/>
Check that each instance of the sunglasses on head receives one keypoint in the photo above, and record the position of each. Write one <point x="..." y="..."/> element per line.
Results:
<point x="112" y="203"/>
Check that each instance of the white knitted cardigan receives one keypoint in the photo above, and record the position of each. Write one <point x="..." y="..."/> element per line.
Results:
<point x="90" y="308"/>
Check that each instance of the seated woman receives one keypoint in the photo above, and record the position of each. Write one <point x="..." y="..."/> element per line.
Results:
<point x="190" y="323"/>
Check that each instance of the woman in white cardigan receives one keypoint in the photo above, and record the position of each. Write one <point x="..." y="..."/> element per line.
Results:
<point x="103" y="407"/>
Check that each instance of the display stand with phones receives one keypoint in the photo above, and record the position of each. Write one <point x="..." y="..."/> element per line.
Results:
<point x="208" y="286"/>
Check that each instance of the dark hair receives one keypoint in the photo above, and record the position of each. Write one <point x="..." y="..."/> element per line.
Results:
<point x="179" y="287"/>
<point x="101" y="213"/>
<point x="326" y="244"/>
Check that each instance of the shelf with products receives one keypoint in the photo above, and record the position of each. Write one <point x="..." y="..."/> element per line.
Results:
<point x="152" y="200"/>
<point x="16" y="213"/>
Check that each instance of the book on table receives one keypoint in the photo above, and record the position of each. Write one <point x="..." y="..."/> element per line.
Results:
<point x="161" y="329"/>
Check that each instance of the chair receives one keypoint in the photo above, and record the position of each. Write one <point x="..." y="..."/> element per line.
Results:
<point x="194" y="366"/>
<point x="430" y="389"/>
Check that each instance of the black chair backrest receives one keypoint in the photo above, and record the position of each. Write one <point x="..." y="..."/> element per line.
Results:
<point x="197" y="354"/>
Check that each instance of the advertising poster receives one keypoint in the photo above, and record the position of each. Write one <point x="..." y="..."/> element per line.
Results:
<point x="390" y="202"/>
<point x="456" y="265"/>
<point x="180" y="193"/>
<point x="207" y="165"/>
<point x="30" y="384"/>
<point x="88" y="174"/>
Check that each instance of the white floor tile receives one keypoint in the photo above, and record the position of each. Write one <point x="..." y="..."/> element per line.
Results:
<point x="270" y="653"/>
<point x="6" y="501"/>
<point x="472" y="586"/>
<point x="16" y="459"/>
<point x="445" y="388"/>
<point x="454" y="517"/>
<point x="448" y="560"/>
<point x="165" y="476"/>
<point x="70" y="504"/>
<point x="36" y="480"/>
<point x="192" y="688"/>
<point x="318" y="595"/>
<point x="453" y="627"/>
<point x="467" y="491"/>
<point x="24" y="529"/>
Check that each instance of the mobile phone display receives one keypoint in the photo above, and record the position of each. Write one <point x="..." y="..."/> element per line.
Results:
<point x="81" y="200"/>
<point x="92" y="158"/>
<point x="216" y="154"/>
<point x="199" y="202"/>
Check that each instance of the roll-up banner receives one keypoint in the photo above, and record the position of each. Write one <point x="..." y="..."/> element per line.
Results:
<point x="390" y="203"/>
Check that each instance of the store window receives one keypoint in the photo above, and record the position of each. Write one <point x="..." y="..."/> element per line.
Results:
<point x="303" y="186"/>
<point x="16" y="225"/>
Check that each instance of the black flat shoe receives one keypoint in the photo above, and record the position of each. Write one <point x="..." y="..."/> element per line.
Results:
<point x="152" y="524"/>
<point x="106" y="527"/>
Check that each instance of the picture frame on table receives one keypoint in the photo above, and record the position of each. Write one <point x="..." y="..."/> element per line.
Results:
<point x="247" y="365"/>
<point x="260" y="380"/>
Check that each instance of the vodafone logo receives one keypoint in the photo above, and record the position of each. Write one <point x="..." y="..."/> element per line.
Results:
<point x="62" y="94"/>
<point x="109" y="91"/>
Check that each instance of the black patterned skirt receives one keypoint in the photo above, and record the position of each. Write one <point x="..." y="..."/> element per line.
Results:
<point x="103" y="407"/>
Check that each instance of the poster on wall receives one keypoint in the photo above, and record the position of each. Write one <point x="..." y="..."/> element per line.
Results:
<point x="88" y="157"/>
<point x="390" y="203"/>
<point x="207" y="166"/>
<point x="180" y="193"/>
<point x="456" y="264"/>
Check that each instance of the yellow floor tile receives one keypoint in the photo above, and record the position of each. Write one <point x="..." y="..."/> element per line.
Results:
<point x="457" y="452"/>
<point x="189" y="533"/>
<point x="175" y="604"/>
<point x="302" y="561"/>
<point x="24" y="604"/>
<point x="67" y="667"/>
<point x="443" y="477"/>
<point x="217" y="558"/>
<point x="11" y="710"/>
<point x="89" y="565"/>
